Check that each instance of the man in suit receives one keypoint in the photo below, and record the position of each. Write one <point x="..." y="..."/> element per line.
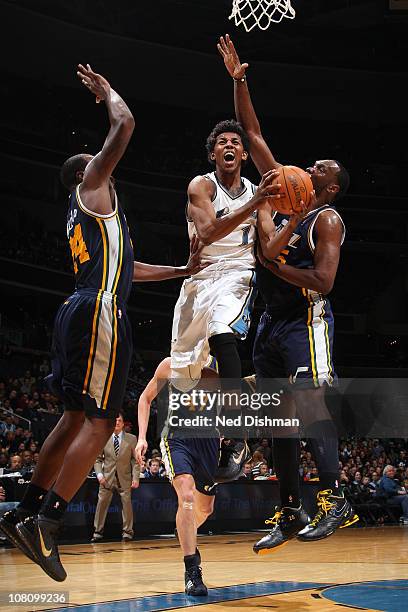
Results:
<point x="116" y="469"/>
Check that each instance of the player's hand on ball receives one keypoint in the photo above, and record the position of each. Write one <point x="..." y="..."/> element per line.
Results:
<point x="230" y="57"/>
<point x="96" y="83"/>
<point x="297" y="217"/>
<point x="267" y="191"/>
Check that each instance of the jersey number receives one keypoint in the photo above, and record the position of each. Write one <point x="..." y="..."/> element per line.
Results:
<point x="79" y="251"/>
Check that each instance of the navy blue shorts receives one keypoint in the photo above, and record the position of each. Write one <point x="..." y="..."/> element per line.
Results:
<point x="299" y="349"/>
<point x="198" y="457"/>
<point x="91" y="353"/>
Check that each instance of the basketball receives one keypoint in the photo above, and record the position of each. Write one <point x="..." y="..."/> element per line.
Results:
<point x="296" y="187"/>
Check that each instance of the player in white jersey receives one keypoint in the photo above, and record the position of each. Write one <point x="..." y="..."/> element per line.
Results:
<point x="214" y="306"/>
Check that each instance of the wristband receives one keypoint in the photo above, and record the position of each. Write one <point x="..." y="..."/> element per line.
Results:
<point x="241" y="80"/>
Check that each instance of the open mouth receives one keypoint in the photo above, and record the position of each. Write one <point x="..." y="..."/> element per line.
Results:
<point x="229" y="156"/>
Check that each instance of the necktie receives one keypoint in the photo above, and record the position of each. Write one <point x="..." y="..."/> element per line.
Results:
<point x="116" y="443"/>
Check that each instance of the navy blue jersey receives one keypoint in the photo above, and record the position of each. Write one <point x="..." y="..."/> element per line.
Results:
<point x="281" y="297"/>
<point x="101" y="249"/>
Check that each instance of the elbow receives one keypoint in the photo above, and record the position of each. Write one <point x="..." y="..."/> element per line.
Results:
<point x="326" y="285"/>
<point x="205" y="237"/>
<point x="127" y="124"/>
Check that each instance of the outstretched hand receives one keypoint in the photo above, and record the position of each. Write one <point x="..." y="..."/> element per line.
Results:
<point x="96" y="83"/>
<point x="230" y="57"/>
<point x="194" y="263"/>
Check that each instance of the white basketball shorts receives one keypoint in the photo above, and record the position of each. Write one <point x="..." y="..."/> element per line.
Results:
<point x="219" y="304"/>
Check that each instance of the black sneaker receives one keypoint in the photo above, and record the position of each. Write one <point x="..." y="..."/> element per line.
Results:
<point x="8" y="524"/>
<point x="193" y="578"/>
<point x="334" y="512"/>
<point x="231" y="461"/>
<point x="39" y="534"/>
<point x="286" y="524"/>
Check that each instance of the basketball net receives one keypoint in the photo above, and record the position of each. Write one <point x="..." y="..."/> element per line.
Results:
<point x="261" y="13"/>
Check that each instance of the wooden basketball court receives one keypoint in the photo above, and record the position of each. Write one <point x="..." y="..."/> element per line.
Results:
<point x="364" y="568"/>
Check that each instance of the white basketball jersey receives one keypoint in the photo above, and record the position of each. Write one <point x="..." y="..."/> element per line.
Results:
<point x="239" y="246"/>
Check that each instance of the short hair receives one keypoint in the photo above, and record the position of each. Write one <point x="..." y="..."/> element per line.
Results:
<point x="72" y="165"/>
<point x="229" y="125"/>
<point x="154" y="460"/>
<point x="387" y="468"/>
<point x="343" y="180"/>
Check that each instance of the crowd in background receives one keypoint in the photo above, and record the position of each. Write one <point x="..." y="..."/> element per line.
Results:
<point x="28" y="411"/>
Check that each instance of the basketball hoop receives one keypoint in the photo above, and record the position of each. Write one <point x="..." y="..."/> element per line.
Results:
<point x="261" y="13"/>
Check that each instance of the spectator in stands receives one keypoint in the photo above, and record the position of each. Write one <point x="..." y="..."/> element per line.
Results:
<point x="257" y="460"/>
<point x="374" y="481"/>
<point x="392" y="491"/>
<point x="263" y="472"/>
<point x="154" y="470"/>
<point x="7" y="425"/>
<point x="377" y="448"/>
<point x="3" y="460"/>
<point x="143" y="468"/>
<point x="265" y="449"/>
<point x="16" y="463"/>
<point x="365" y="482"/>
<point x="10" y="444"/>
<point x="343" y="478"/>
<point x="246" y="471"/>
<point x="33" y="447"/>
<point x="27" y="460"/>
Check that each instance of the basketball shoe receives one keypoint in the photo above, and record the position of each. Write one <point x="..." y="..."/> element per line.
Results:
<point x="231" y="461"/>
<point x="334" y="512"/>
<point x="8" y="523"/>
<point x="286" y="522"/>
<point x="193" y="578"/>
<point x="39" y="535"/>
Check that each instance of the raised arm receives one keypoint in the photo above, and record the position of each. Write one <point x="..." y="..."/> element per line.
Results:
<point x="244" y="110"/>
<point x="329" y="233"/>
<point x="95" y="186"/>
<point x="209" y="228"/>
<point x="153" y="388"/>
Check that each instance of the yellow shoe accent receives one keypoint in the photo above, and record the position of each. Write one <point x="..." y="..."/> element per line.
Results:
<point x="44" y="549"/>
<point x="354" y="519"/>
<point x="267" y="551"/>
<point x="323" y="504"/>
<point x="274" y="520"/>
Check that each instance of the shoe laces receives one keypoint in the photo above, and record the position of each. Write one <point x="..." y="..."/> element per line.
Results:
<point x="195" y="573"/>
<point x="323" y="504"/>
<point x="274" y="520"/>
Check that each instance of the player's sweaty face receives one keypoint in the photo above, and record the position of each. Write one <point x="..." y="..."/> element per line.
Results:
<point x="228" y="150"/>
<point x="323" y="173"/>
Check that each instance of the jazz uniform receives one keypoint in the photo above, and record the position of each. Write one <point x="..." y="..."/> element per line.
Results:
<point x="92" y="341"/>
<point x="218" y="299"/>
<point x="185" y="452"/>
<point x="295" y="334"/>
